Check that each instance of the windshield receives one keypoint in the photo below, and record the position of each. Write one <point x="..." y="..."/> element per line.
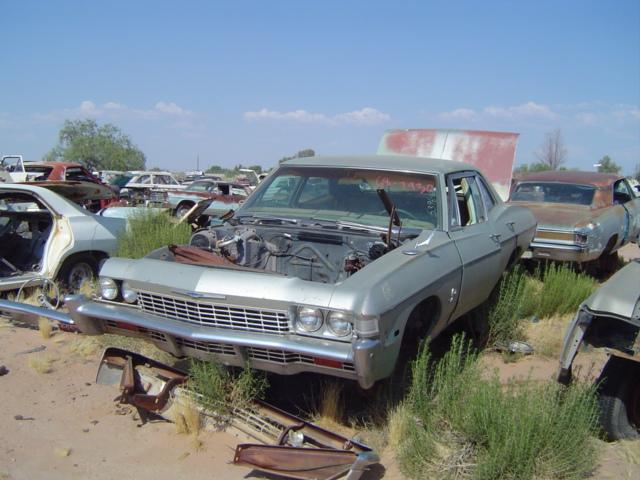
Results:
<point x="345" y="194"/>
<point x="553" y="192"/>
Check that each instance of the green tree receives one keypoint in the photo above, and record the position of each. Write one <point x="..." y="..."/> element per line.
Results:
<point x="532" y="167"/>
<point x="307" y="152"/>
<point x="607" y="165"/>
<point x="98" y="147"/>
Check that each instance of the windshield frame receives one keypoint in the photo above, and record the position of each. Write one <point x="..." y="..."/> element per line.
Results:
<point x="246" y="210"/>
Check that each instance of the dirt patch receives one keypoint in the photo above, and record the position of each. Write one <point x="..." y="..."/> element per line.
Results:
<point x="61" y="425"/>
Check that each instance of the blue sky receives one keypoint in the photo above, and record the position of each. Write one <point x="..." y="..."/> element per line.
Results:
<point x="251" y="81"/>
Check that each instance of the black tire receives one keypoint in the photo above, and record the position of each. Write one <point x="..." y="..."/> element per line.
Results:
<point x="76" y="270"/>
<point x="619" y="400"/>
<point x="182" y="209"/>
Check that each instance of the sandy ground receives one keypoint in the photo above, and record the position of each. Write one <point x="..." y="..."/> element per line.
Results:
<point x="44" y="416"/>
<point x="61" y="425"/>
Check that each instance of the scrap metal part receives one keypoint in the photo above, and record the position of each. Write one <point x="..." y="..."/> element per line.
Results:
<point x="304" y="463"/>
<point x="302" y="450"/>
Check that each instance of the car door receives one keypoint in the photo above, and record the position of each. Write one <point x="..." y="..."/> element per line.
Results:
<point x="476" y="240"/>
<point x="623" y="195"/>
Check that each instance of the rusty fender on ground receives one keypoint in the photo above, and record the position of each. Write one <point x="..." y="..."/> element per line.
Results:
<point x="302" y="450"/>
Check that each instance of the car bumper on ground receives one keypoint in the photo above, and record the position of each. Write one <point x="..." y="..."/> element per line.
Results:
<point x="285" y="354"/>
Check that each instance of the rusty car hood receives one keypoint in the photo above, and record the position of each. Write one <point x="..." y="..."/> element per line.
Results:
<point x="620" y="295"/>
<point x="559" y="214"/>
<point x="76" y="191"/>
<point x="491" y="152"/>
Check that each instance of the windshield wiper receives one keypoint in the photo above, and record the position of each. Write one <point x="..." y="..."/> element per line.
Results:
<point x="267" y="220"/>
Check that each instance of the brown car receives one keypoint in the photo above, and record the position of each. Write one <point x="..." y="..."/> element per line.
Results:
<point x="582" y="216"/>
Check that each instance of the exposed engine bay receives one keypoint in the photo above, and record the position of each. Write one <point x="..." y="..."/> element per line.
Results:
<point x="25" y="227"/>
<point x="309" y="254"/>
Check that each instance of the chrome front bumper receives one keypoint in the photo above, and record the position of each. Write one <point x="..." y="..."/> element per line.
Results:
<point x="361" y="360"/>
<point x="563" y="252"/>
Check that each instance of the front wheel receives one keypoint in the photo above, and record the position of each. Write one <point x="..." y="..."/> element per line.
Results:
<point x="182" y="210"/>
<point x="77" y="271"/>
<point x="620" y="401"/>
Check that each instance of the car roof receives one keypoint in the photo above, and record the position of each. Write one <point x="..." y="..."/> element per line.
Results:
<point x="384" y="162"/>
<point x="571" y="176"/>
<point x="53" y="164"/>
<point x="137" y="173"/>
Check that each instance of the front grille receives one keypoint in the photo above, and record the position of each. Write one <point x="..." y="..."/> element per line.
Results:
<point x="284" y="358"/>
<point x="215" y="315"/>
<point x="207" y="347"/>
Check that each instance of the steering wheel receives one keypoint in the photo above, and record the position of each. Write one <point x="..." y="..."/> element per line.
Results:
<point x="401" y="213"/>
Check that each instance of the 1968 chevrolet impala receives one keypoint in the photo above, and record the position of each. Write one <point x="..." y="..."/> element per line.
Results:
<point x="333" y="265"/>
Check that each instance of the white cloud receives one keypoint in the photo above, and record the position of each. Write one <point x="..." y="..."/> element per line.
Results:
<point x="459" y="114"/>
<point x="301" y="116"/>
<point x="364" y="116"/>
<point x="114" y="106"/>
<point x="529" y="109"/>
<point x="170" y="108"/>
<point x="587" y="118"/>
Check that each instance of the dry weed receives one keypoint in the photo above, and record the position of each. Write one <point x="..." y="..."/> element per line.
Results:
<point x="41" y="363"/>
<point x="84" y="346"/>
<point x="546" y="336"/>
<point x="89" y="288"/>
<point x="186" y="416"/>
<point x="62" y="452"/>
<point x="330" y="408"/>
<point x="45" y="327"/>
<point x="398" y="424"/>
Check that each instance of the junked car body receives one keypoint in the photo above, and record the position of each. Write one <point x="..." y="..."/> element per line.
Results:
<point x="333" y="265"/>
<point x="582" y="216"/>
<point x="143" y="184"/>
<point x="45" y="236"/>
<point x="610" y="318"/>
<point x="224" y="196"/>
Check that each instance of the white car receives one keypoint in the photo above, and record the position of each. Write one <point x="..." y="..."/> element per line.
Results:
<point x="143" y="184"/>
<point x="44" y="236"/>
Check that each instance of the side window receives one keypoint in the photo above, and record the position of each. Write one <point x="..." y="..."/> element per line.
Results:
<point x="145" y="179"/>
<point x="487" y="196"/>
<point x="467" y="208"/>
<point x="621" y="192"/>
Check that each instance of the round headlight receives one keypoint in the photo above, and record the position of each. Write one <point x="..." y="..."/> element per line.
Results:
<point x="309" y="319"/>
<point x="128" y="294"/>
<point x="339" y="323"/>
<point x="108" y="288"/>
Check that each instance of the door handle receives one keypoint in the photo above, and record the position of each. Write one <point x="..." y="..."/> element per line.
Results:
<point x="495" y="237"/>
<point x="511" y="225"/>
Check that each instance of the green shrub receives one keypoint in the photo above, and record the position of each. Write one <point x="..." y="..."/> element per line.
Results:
<point x="458" y="421"/>
<point x="555" y="290"/>
<point x="505" y="311"/>
<point x="148" y="231"/>
<point x="563" y="290"/>
<point x="219" y="390"/>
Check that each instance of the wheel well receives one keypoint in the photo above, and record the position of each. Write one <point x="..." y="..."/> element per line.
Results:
<point x="98" y="256"/>
<point x="185" y="202"/>
<point x="515" y="256"/>
<point x="422" y="319"/>
<point x="612" y="241"/>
